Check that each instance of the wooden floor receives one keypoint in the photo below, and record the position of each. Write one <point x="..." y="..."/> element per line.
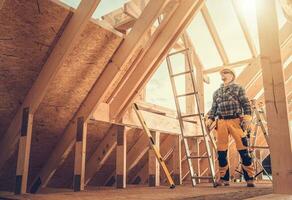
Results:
<point x="186" y="192"/>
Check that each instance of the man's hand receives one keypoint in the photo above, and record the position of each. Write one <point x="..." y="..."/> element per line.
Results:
<point x="246" y="123"/>
<point x="209" y="123"/>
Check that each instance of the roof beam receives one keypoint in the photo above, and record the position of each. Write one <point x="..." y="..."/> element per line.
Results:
<point x="231" y="65"/>
<point x="214" y="34"/>
<point x="152" y="58"/>
<point x="133" y="41"/>
<point x="240" y="16"/>
<point x="275" y="99"/>
<point x="54" y="62"/>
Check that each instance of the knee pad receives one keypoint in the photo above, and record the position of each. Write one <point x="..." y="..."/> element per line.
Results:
<point x="222" y="158"/>
<point x="245" y="157"/>
<point x="244" y="141"/>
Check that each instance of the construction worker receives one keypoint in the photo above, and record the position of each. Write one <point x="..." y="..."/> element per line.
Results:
<point x="232" y="111"/>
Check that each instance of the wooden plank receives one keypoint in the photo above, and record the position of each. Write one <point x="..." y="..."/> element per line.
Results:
<point x="177" y="160"/>
<point x="275" y="99"/>
<point x="23" y="152"/>
<point x="214" y="34"/>
<point x="231" y="65"/>
<point x="240" y="16"/>
<point x="101" y="154"/>
<point x="153" y="164"/>
<point x="121" y="158"/>
<point x="123" y="55"/>
<point x="1" y="3"/>
<point x="57" y="57"/>
<point x="80" y="155"/>
<point x="154" y="56"/>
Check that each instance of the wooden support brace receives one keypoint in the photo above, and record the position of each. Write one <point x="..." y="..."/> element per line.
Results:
<point x="80" y="155"/>
<point x="121" y="157"/>
<point x="275" y="99"/>
<point x="153" y="164"/>
<point x="177" y="162"/>
<point x="23" y="152"/>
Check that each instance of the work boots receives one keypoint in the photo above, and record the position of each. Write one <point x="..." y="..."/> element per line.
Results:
<point x="250" y="183"/>
<point x="222" y="182"/>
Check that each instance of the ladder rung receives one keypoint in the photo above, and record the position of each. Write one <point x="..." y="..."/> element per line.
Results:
<point x="186" y="94"/>
<point x="193" y="136"/>
<point x="260" y="147"/>
<point x="197" y="157"/>
<point x="182" y="73"/>
<point x="202" y="177"/>
<point x="177" y="52"/>
<point x="191" y="115"/>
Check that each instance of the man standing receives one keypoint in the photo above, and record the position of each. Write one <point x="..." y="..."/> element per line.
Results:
<point x="232" y="108"/>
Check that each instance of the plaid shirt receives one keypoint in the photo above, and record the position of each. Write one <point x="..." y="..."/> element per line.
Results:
<point x="230" y="100"/>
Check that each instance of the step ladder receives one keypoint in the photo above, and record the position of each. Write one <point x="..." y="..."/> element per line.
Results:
<point x="181" y="118"/>
<point x="258" y="115"/>
<point x="154" y="147"/>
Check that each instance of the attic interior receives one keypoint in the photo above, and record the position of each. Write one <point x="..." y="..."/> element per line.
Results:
<point x="68" y="127"/>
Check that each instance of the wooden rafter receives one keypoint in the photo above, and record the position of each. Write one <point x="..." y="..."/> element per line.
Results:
<point x="122" y="56"/>
<point x="154" y="56"/>
<point x="214" y="34"/>
<point x="240" y="16"/>
<point x="54" y="62"/>
<point x="231" y="65"/>
<point x="280" y="139"/>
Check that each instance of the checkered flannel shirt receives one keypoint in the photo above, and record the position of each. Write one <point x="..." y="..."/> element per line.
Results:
<point x="229" y="100"/>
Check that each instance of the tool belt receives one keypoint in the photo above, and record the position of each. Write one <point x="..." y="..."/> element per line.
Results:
<point x="229" y="117"/>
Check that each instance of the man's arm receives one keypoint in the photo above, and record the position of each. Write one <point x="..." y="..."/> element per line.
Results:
<point x="213" y="111"/>
<point x="244" y="102"/>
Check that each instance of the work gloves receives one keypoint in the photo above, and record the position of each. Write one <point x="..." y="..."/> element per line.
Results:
<point x="246" y="123"/>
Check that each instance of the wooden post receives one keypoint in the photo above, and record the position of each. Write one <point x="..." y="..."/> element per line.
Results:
<point x="153" y="164"/>
<point x="23" y="152"/>
<point x="80" y="155"/>
<point x="177" y="170"/>
<point x="121" y="164"/>
<point x="275" y="99"/>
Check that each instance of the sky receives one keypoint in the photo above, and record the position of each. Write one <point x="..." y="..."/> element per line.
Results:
<point x="158" y="89"/>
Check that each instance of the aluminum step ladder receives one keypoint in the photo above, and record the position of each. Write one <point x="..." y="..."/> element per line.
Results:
<point x="258" y="115"/>
<point x="181" y="118"/>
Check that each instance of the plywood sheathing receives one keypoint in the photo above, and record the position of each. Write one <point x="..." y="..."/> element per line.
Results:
<point x="28" y="32"/>
<point x="31" y="28"/>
